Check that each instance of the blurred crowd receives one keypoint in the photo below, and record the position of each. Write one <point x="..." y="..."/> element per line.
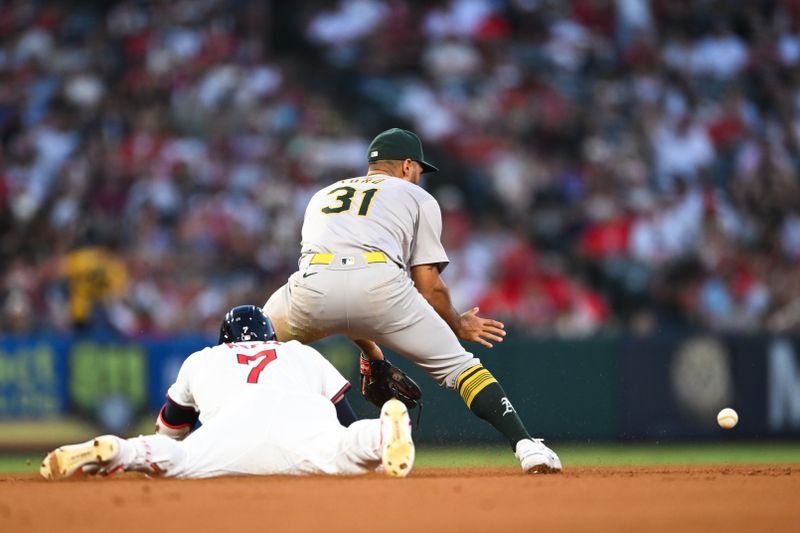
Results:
<point x="606" y="165"/>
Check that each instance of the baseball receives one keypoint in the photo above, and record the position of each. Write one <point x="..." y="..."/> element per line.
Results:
<point x="727" y="418"/>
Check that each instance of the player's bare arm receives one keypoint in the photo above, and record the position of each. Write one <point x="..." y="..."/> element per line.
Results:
<point x="370" y="350"/>
<point x="467" y="326"/>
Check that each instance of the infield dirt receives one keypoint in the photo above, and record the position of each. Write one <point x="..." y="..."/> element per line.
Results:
<point x="696" y="498"/>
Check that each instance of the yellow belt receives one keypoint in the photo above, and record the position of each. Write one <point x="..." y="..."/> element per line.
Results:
<point x="369" y="257"/>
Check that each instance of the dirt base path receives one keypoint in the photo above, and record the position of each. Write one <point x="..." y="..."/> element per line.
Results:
<point x="697" y="498"/>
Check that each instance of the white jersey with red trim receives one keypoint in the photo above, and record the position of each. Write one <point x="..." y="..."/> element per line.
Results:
<point x="211" y="378"/>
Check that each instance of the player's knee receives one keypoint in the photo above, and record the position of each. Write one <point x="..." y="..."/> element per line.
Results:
<point x="450" y="378"/>
<point x="472" y="381"/>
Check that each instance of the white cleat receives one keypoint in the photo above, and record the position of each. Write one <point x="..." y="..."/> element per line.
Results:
<point x="398" y="448"/>
<point x="100" y="454"/>
<point x="536" y="458"/>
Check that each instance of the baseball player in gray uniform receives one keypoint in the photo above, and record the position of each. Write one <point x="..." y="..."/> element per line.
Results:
<point x="370" y="269"/>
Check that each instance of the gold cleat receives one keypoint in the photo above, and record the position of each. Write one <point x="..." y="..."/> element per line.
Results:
<point x="398" y="448"/>
<point x="101" y="453"/>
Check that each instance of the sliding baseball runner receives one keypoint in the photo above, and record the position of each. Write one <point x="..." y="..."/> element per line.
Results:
<point x="266" y="407"/>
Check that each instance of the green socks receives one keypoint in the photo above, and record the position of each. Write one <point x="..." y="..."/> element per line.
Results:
<point x="486" y="398"/>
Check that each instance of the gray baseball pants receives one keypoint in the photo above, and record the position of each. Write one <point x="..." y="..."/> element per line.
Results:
<point x="376" y="301"/>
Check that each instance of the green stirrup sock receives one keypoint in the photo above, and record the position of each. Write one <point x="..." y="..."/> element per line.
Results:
<point x="486" y="398"/>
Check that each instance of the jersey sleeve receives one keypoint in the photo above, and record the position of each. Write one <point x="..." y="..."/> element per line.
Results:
<point x="427" y="247"/>
<point x="180" y="392"/>
<point x="332" y="384"/>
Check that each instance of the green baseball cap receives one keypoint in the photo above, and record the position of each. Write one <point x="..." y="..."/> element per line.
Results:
<point x="397" y="144"/>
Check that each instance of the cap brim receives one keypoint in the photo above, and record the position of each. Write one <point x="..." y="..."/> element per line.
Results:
<point x="427" y="167"/>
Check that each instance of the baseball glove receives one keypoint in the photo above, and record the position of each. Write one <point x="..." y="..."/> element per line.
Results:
<point x="381" y="381"/>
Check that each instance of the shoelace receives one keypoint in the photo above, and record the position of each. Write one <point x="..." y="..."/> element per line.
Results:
<point x="540" y="441"/>
<point x="535" y="440"/>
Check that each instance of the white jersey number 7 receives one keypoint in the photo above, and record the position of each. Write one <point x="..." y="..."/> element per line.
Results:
<point x="255" y="372"/>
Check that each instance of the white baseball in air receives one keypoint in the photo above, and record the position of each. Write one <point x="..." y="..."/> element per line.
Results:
<point x="727" y="418"/>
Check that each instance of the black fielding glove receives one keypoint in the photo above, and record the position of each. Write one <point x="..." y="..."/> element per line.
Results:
<point x="381" y="381"/>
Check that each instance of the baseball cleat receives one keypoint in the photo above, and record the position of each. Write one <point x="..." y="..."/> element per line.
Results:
<point x="398" y="448"/>
<point x="536" y="458"/>
<point x="98" y="454"/>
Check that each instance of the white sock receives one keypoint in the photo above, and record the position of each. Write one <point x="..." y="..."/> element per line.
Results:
<point x="127" y="453"/>
<point x="154" y="454"/>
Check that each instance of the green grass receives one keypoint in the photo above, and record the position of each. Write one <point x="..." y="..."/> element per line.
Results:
<point x="571" y="455"/>
<point x="18" y="463"/>
<point x="621" y="454"/>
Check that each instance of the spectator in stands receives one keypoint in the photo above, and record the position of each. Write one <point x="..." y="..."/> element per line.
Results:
<point x="622" y="148"/>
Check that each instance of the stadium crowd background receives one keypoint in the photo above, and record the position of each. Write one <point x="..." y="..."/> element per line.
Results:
<point x="605" y="165"/>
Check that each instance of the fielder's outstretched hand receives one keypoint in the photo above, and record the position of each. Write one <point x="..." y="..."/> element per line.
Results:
<point x="481" y="330"/>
